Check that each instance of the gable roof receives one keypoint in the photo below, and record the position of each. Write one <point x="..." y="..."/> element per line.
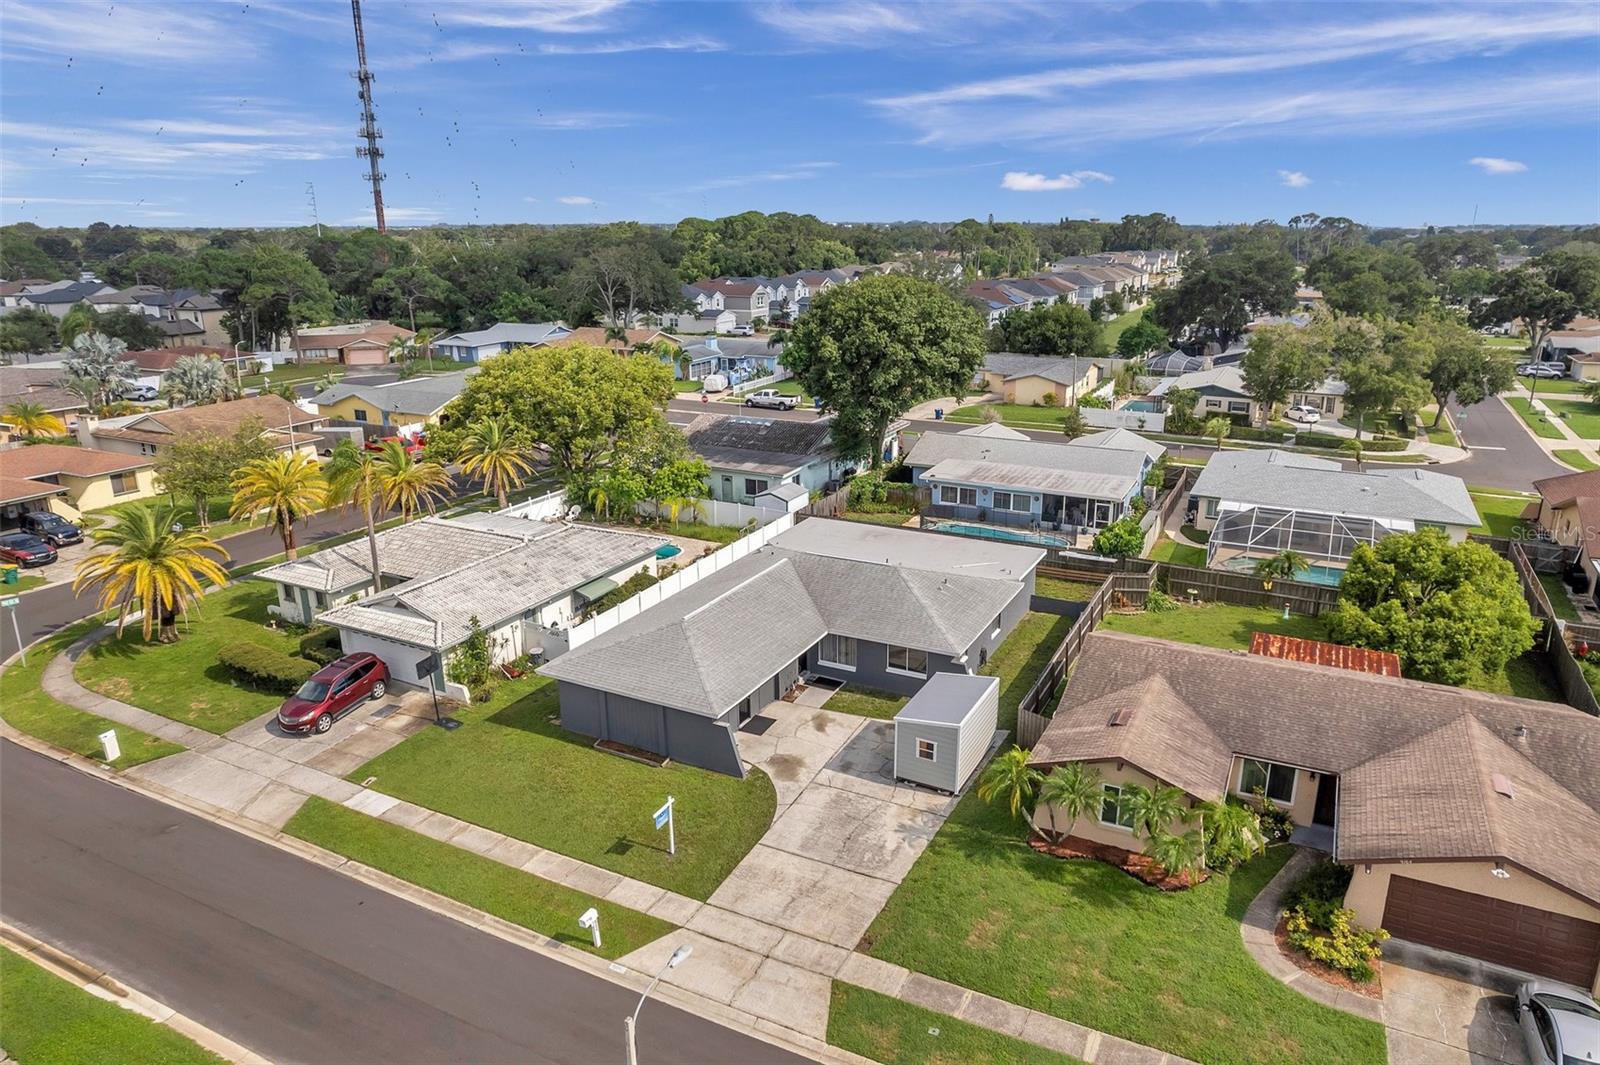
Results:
<point x="1416" y="761"/>
<point x="1580" y="491"/>
<point x="595" y="336"/>
<point x="340" y="337"/>
<point x="995" y="431"/>
<point x="46" y="460"/>
<point x="163" y="426"/>
<point x="518" y="333"/>
<point x="1120" y="439"/>
<point x="1104" y="472"/>
<point x="760" y="445"/>
<point x="160" y="359"/>
<point x="405" y="551"/>
<point x="21" y="489"/>
<point x="741" y="624"/>
<point x="419" y="395"/>
<point x="1272" y="478"/>
<point x="68" y="293"/>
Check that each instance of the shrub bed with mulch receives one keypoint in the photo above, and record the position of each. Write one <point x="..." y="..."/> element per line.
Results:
<point x="1139" y="866"/>
<point x="1326" y="973"/>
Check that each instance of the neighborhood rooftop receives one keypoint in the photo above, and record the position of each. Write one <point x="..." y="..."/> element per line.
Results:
<point x="417" y="394"/>
<point x="1106" y="471"/>
<point x="404" y="552"/>
<point x="1288" y="481"/>
<point x="1416" y="762"/>
<point x="757" y="445"/>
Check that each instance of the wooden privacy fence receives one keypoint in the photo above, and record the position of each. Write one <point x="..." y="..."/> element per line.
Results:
<point x="1243" y="589"/>
<point x="1532" y="587"/>
<point x="1556" y="640"/>
<point x="1118" y="590"/>
<point x="1574" y="685"/>
<point x="1545" y="555"/>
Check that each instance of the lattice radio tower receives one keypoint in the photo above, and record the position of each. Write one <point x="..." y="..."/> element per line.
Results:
<point x="369" y="130"/>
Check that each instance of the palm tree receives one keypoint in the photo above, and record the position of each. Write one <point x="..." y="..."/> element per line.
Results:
<point x="144" y="559"/>
<point x="422" y="346"/>
<point x="600" y="500"/>
<point x="1012" y="778"/>
<point x="1218" y="428"/>
<point x="1178" y="855"/>
<point x="288" y="486"/>
<point x="1153" y="809"/>
<point x="492" y="453"/>
<point x="406" y="485"/>
<point x="1233" y="831"/>
<point x="1075" y="790"/>
<point x="352" y="477"/>
<point x="31" y="419"/>
<point x="777" y="338"/>
<point x="616" y="334"/>
<point x="1282" y="566"/>
<point x="400" y="349"/>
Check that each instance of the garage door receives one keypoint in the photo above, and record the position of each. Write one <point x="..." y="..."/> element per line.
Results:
<point x="1521" y="937"/>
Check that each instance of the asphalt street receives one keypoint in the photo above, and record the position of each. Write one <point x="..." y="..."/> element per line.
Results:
<point x="296" y="961"/>
<point x="1503" y="454"/>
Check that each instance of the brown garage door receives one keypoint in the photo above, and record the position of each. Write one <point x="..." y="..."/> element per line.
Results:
<point x="1521" y="937"/>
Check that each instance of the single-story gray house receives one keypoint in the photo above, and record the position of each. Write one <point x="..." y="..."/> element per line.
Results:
<point x="481" y="344"/>
<point x="752" y="455"/>
<point x="522" y="595"/>
<point x="943" y="733"/>
<point x="992" y="474"/>
<point x="1255" y="504"/>
<point x="882" y="607"/>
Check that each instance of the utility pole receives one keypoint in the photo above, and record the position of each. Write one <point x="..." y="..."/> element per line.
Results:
<point x="311" y="195"/>
<point x="369" y="130"/>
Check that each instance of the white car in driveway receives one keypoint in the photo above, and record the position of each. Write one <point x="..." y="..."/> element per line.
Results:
<point x="1303" y="414"/>
<point x="1541" y="369"/>
<point x="1560" y="1024"/>
<point x="772" y="399"/>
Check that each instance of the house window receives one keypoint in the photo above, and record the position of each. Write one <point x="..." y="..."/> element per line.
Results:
<point x="966" y="497"/>
<point x="908" y="660"/>
<point x="361" y="415"/>
<point x="1112" y="810"/>
<point x="1213" y="404"/>
<point x="1211" y="508"/>
<point x="997" y="619"/>
<point x="1010" y="501"/>
<point x="1278" y="780"/>
<point x="122" y="484"/>
<point x="1238" y="406"/>
<point x="837" y="651"/>
<point x="147" y="449"/>
<point x="754" y="486"/>
<point x="927" y="750"/>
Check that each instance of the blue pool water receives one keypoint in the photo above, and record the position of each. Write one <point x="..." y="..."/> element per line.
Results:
<point x="1317" y="573"/>
<point x="989" y="532"/>
<point x="1144" y="406"/>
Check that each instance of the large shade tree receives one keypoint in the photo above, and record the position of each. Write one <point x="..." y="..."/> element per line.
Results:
<point x="873" y="349"/>
<point x="198" y="467"/>
<point x="1281" y="360"/>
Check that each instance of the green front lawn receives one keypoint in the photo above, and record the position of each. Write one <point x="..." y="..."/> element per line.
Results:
<point x="1575" y="458"/>
<point x="866" y="702"/>
<point x="25" y="706"/>
<point x="1022" y="657"/>
<point x="1169" y="550"/>
<point x="25" y="582"/>
<point x="1440" y="434"/>
<point x="1561" y="386"/>
<point x="1501" y="514"/>
<point x="1069" y="591"/>
<point x="512" y="768"/>
<point x="1534" y="420"/>
<point x="543" y="906"/>
<point x="686" y="386"/>
<point x="183" y="680"/>
<point x="1086" y="942"/>
<point x="897" y="1033"/>
<point x="1024" y="415"/>
<point x="1581" y="416"/>
<point x="48" y="1021"/>
<point x="1114" y="329"/>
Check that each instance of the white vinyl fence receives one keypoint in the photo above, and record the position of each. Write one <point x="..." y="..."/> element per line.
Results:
<point x="1137" y="420"/>
<point x="714" y="512"/>
<point x="540" y="508"/>
<point x="675" y="582"/>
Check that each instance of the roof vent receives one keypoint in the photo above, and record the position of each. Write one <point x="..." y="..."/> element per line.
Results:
<point x="1121" y="717"/>
<point x="1520" y="732"/>
<point x="1502" y="784"/>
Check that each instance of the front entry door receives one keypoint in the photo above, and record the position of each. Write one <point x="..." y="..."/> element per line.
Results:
<point x="1327" y="799"/>
<point x="727" y="489"/>
<point x="746" y="708"/>
<point x="1102" y="514"/>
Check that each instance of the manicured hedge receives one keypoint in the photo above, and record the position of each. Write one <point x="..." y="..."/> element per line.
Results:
<point x="268" y="668"/>
<point x="1344" y="443"/>
<point x="321" y="645"/>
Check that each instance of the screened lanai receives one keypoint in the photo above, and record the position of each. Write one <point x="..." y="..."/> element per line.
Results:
<point x="1241" y="537"/>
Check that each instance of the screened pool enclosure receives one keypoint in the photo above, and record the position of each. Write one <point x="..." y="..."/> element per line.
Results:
<point x="1240" y="538"/>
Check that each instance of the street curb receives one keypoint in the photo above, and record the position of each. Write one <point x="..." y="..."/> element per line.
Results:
<point x="767" y="1031"/>
<point x="103" y="986"/>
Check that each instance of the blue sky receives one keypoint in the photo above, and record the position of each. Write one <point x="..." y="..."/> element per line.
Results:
<point x="194" y="112"/>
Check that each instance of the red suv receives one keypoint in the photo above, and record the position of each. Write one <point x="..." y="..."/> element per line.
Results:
<point x="333" y="691"/>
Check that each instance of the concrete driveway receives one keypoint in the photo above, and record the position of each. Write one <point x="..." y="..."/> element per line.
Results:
<point x="1445" y="1009"/>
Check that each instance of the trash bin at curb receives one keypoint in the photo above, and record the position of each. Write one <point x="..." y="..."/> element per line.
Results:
<point x="8" y="574"/>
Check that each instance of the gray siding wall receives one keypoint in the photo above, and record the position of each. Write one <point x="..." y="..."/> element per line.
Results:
<point x="943" y="771"/>
<point x="678" y="734"/>
<point x="976" y="732"/>
<point x="872" y="669"/>
<point x="985" y="645"/>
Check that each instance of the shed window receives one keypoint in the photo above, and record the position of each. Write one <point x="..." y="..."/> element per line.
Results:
<point x="1112" y="809"/>
<point x="1278" y="780"/>
<point x="839" y="651"/>
<point x="927" y="750"/>
<point x="908" y="660"/>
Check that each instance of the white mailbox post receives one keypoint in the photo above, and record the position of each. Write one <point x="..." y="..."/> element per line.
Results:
<point x="591" y="921"/>
<point x="108" y="742"/>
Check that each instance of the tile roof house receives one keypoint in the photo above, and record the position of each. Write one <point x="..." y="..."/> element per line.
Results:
<point x="883" y="607"/>
<point x="353" y="343"/>
<point x="77" y="479"/>
<point x="979" y="475"/>
<point x="1465" y="814"/>
<point x="286" y="426"/>
<point x="480" y="344"/>
<point x="521" y="594"/>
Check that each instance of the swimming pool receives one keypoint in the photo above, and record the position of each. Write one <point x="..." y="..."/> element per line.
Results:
<point x="1316" y="573"/>
<point x="1143" y="406"/>
<point x="989" y="532"/>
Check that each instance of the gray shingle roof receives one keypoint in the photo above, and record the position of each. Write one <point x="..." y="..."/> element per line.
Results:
<point x="1415" y="761"/>
<point x="947" y="699"/>
<point x="711" y="644"/>
<point x="504" y="333"/>
<point x="406" y="551"/>
<point x="420" y="395"/>
<point x="1218" y="379"/>
<point x="1059" y="370"/>
<point x="1105" y="472"/>
<point x="1122" y="440"/>
<point x="760" y="445"/>
<point x="1288" y="481"/>
<point x="435" y="612"/>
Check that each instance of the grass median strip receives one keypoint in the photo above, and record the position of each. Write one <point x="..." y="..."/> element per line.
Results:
<point x="1535" y="420"/>
<point x="48" y="1021"/>
<point x="898" y="1033"/>
<point x="540" y="905"/>
<point x="26" y="707"/>
<point x="1575" y="458"/>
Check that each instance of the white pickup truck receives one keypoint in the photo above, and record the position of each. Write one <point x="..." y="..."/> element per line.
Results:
<point x="771" y="398"/>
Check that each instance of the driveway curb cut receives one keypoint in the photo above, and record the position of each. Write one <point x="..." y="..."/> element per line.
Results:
<point x="103" y="986"/>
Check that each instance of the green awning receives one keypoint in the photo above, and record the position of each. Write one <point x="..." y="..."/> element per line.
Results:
<point x="596" y="588"/>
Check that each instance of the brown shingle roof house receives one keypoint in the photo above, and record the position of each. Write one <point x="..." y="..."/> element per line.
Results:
<point x="1472" y="820"/>
<point x="286" y="425"/>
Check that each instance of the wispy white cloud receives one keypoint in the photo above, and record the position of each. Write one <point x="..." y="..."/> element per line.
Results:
<point x="1022" y="181"/>
<point x="545" y="16"/>
<point x="1293" y="179"/>
<point x="881" y="23"/>
<point x="1491" y="164"/>
<point x="793" y="172"/>
<point x="83" y="32"/>
<point x="67" y="201"/>
<point x="577" y="201"/>
<point x="617" y="47"/>
<point x="151" y="152"/>
<point x="458" y="51"/>
<point x="413" y="216"/>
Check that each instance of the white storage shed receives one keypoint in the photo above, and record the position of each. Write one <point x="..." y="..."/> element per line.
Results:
<point x="942" y="734"/>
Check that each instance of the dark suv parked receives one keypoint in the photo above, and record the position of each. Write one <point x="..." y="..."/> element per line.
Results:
<point x="52" y="528"/>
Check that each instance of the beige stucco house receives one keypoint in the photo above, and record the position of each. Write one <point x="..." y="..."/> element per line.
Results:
<point x="286" y="426"/>
<point x="1041" y="380"/>
<point x="1472" y="820"/>
<point x="87" y="479"/>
